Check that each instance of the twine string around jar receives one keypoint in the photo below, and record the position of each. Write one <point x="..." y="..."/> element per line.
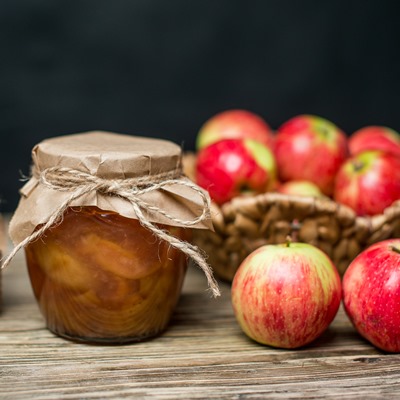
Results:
<point x="80" y="183"/>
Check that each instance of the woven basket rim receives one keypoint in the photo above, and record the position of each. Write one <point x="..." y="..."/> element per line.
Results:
<point x="324" y="205"/>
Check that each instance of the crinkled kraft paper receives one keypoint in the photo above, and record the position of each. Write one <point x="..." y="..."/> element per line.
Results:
<point x="109" y="156"/>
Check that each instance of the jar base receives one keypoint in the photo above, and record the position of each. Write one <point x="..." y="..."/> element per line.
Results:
<point x="106" y="341"/>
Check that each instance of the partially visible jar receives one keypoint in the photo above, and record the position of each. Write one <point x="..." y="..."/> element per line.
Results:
<point x="101" y="277"/>
<point x="106" y="221"/>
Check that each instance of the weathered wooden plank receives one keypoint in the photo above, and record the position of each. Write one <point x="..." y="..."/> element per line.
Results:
<point x="203" y="354"/>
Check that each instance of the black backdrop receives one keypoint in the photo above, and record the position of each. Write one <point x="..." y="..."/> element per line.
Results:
<point x="161" y="68"/>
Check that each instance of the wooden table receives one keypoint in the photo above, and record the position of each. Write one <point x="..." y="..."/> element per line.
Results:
<point x="203" y="355"/>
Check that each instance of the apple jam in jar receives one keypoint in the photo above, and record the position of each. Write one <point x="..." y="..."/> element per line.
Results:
<point x="105" y="221"/>
<point x="99" y="276"/>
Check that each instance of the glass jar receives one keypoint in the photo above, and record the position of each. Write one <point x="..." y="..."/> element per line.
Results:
<point x="105" y="221"/>
<point x="101" y="277"/>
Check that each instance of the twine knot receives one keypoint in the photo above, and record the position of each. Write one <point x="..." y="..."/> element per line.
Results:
<point x="80" y="183"/>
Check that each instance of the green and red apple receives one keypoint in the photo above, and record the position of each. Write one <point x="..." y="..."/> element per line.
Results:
<point x="300" y="188"/>
<point x="371" y="294"/>
<point x="234" y="124"/>
<point x="368" y="182"/>
<point x="286" y="295"/>
<point x="311" y="148"/>
<point x="375" y="138"/>
<point x="233" y="167"/>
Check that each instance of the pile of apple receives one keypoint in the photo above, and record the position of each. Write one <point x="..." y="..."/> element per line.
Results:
<point x="239" y="154"/>
<point x="286" y="295"/>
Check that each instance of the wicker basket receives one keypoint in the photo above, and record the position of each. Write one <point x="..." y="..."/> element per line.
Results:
<point x="246" y="223"/>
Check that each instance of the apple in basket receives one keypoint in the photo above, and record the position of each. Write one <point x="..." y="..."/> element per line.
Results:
<point x="231" y="167"/>
<point x="234" y="124"/>
<point x="368" y="182"/>
<point x="375" y="138"/>
<point x="371" y="294"/>
<point x="310" y="148"/>
<point x="286" y="295"/>
<point x="300" y="188"/>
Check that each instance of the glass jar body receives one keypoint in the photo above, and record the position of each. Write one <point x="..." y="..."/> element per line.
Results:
<point x="101" y="277"/>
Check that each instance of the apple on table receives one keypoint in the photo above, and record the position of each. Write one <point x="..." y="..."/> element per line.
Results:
<point x="375" y="137"/>
<point x="308" y="147"/>
<point x="368" y="182"/>
<point x="286" y="295"/>
<point x="371" y="294"/>
<point x="234" y="124"/>
<point x="233" y="167"/>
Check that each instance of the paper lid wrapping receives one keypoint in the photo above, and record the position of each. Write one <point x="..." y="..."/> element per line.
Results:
<point x="109" y="156"/>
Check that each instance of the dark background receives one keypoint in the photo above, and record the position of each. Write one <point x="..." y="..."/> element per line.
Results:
<point x="161" y="68"/>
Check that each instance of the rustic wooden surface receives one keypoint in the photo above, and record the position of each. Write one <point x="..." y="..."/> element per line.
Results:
<point x="203" y="355"/>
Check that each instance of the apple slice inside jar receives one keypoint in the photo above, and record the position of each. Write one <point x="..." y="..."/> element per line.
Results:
<point x="113" y="257"/>
<point x="60" y="266"/>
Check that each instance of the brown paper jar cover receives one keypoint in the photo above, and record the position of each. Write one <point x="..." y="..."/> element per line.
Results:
<point x="98" y="274"/>
<point x="110" y="156"/>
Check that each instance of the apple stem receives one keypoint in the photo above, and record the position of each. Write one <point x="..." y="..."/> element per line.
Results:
<point x="395" y="249"/>
<point x="288" y="240"/>
<point x="358" y="165"/>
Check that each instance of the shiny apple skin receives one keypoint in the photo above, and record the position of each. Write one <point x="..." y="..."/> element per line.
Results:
<point x="286" y="295"/>
<point x="375" y="138"/>
<point x="371" y="294"/>
<point x="234" y="167"/>
<point x="368" y="182"/>
<point x="309" y="147"/>
<point x="235" y="124"/>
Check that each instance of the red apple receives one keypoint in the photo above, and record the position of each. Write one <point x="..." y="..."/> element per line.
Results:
<point x="368" y="182"/>
<point x="375" y="138"/>
<point x="310" y="148"/>
<point x="231" y="167"/>
<point x="371" y="294"/>
<point x="286" y="295"/>
<point x="234" y="124"/>
<point x="300" y="188"/>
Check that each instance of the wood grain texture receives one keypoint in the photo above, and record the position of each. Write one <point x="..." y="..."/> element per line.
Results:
<point x="203" y="355"/>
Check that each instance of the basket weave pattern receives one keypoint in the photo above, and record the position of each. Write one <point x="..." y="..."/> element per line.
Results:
<point x="248" y="222"/>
